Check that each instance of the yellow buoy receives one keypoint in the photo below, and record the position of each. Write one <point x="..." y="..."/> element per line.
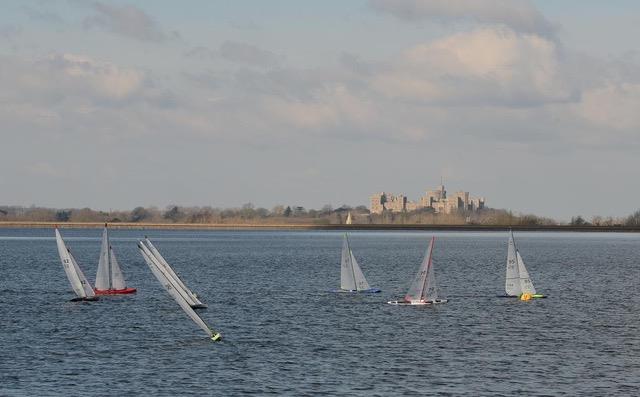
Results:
<point x="525" y="297"/>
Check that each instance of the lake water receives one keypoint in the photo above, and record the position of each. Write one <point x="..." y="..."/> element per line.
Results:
<point x="284" y="334"/>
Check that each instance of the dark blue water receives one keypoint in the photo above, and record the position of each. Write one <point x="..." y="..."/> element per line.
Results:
<point x="285" y="335"/>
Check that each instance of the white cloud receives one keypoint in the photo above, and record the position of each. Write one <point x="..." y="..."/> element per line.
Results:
<point x="126" y="20"/>
<point x="67" y="77"/>
<point x="44" y="169"/>
<point x="612" y="106"/>
<point x="248" y="54"/>
<point x="519" y="15"/>
<point x="484" y="66"/>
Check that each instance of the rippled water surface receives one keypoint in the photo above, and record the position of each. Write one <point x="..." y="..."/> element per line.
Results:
<point x="284" y="334"/>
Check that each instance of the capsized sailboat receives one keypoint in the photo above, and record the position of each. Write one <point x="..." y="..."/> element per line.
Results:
<point x="352" y="279"/>
<point x="518" y="284"/>
<point x="176" y="292"/>
<point x="423" y="290"/>
<point x="190" y="297"/>
<point x="78" y="281"/>
<point x="109" y="278"/>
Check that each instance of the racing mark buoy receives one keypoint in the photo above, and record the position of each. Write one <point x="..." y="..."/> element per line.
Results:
<point x="525" y="297"/>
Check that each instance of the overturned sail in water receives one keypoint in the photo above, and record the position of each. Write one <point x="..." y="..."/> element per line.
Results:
<point x="423" y="289"/>
<point x="517" y="281"/>
<point x="190" y="297"/>
<point x="78" y="281"/>
<point x="109" y="278"/>
<point x="176" y="292"/>
<point x="351" y="277"/>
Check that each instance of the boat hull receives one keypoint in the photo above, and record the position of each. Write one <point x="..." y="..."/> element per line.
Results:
<point x="533" y="296"/>
<point x="418" y="303"/>
<point x="125" y="291"/>
<point x="200" y="306"/>
<point x="353" y="291"/>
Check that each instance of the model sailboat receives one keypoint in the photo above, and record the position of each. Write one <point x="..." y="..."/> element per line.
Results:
<point x="351" y="277"/>
<point x="78" y="281"/>
<point x="174" y="289"/>
<point x="518" y="283"/>
<point x="423" y="290"/>
<point x="109" y="278"/>
<point x="190" y="297"/>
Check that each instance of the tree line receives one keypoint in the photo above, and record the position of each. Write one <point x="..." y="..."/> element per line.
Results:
<point x="293" y="214"/>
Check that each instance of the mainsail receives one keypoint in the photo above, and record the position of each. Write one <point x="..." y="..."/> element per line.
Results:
<point x="109" y="276"/>
<point x="517" y="281"/>
<point x="78" y="281"/>
<point x="176" y="292"/>
<point x="190" y="297"/>
<point x="347" y="279"/>
<point x="351" y="276"/>
<point x="512" y="282"/>
<point x="423" y="287"/>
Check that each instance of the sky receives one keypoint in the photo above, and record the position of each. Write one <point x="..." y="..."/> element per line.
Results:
<point x="533" y="105"/>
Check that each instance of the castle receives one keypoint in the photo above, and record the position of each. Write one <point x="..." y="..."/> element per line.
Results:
<point x="435" y="200"/>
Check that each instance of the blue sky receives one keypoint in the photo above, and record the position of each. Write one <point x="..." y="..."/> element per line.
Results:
<point x="115" y="104"/>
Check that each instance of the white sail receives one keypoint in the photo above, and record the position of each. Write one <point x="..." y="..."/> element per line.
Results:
<point x="172" y="288"/>
<point x="190" y="296"/>
<point x="423" y="286"/>
<point x="512" y="282"/>
<point x="430" y="292"/>
<point x="349" y="219"/>
<point x="360" y="280"/>
<point x="347" y="277"/>
<point x="78" y="281"/>
<point x="109" y="275"/>
<point x="526" y="286"/>
<point x="117" y="278"/>
<point x="103" y="276"/>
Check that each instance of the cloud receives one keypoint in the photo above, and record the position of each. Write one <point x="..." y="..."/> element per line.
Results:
<point x="485" y="66"/>
<point x="43" y="15"/>
<point x="126" y="20"/>
<point x="236" y="52"/>
<point x="246" y="53"/>
<point x="613" y="106"/>
<point x="519" y="15"/>
<point x="62" y="88"/>
<point x="101" y="79"/>
<point x="9" y="32"/>
<point x="44" y="169"/>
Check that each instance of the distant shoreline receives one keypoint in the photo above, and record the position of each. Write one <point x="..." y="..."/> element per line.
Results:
<point x="373" y="227"/>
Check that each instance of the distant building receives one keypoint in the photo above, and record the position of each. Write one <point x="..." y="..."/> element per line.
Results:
<point x="436" y="200"/>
